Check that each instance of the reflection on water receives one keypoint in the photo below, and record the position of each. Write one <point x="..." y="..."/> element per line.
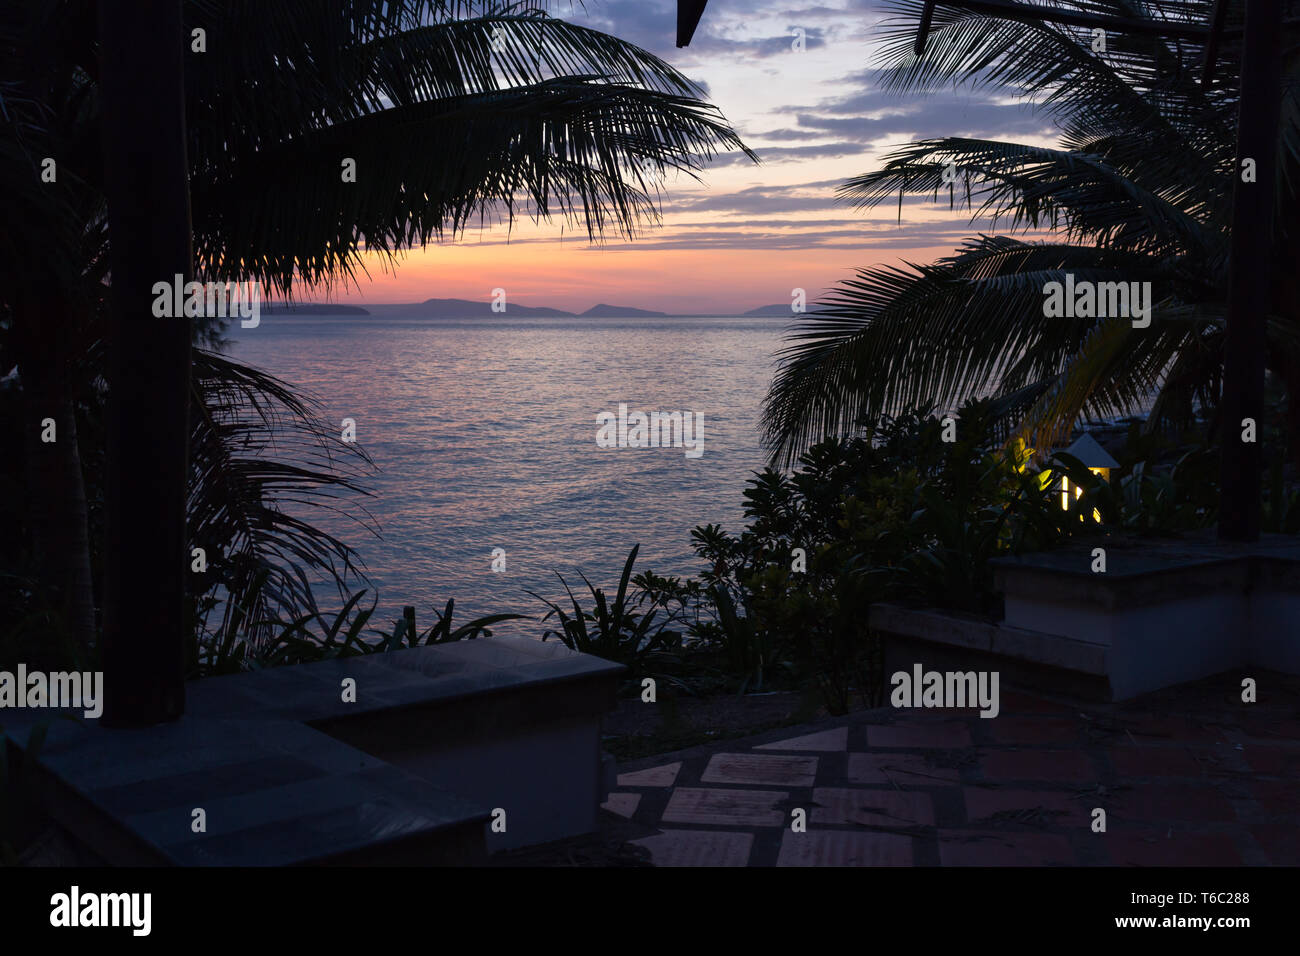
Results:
<point x="484" y="433"/>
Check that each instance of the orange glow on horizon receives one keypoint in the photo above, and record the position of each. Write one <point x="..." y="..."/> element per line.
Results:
<point x="576" y="276"/>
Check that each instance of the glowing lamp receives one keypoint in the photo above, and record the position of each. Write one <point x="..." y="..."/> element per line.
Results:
<point x="1097" y="461"/>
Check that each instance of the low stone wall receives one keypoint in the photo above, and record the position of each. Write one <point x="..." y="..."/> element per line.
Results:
<point x="1160" y="614"/>
<point x="430" y="755"/>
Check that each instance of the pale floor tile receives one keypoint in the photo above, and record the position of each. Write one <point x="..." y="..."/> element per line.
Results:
<point x="743" y="808"/>
<point x="761" y="770"/>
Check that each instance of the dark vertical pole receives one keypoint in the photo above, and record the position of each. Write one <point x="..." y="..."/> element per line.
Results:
<point x="142" y="49"/>
<point x="688" y="18"/>
<point x="1249" y="272"/>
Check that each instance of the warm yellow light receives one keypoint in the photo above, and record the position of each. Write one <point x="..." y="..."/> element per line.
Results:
<point x="1104" y="475"/>
<point x="1078" y="493"/>
<point x="1085" y="449"/>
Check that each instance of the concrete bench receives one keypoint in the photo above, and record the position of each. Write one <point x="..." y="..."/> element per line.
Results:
<point x="286" y="772"/>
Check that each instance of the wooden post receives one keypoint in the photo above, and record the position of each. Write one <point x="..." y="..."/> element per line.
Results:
<point x="1249" y="271"/>
<point x="688" y="18"/>
<point x="142" y="49"/>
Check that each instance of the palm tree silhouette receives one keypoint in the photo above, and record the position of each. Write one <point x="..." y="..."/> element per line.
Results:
<point x="451" y="113"/>
<point x="1140" y="189"/>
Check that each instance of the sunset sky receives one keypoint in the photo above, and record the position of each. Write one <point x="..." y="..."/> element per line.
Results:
<point x="746" y="234"/>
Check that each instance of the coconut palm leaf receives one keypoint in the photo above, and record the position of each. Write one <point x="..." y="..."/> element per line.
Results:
<point x="1079" y="194"/>
<point x="1139" y="190"/>
<point x="1141" y="82"/>
<point x="261" y="459"/>
<point x="564" y="149"/>
<point x="968" y="326"/>
<point x="448" y="120"/>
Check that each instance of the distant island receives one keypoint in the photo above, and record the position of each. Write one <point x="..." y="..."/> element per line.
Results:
<point x="460" y="309"/>
<point x="469" y="308"/>
<point x="311" y="308"/>
<point x="604" y="311"/>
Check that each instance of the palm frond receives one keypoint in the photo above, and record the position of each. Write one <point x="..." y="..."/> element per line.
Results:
<point x="1137" y="191"/>
<point x="969" y="326"/>
<point x="259" y="457"/>
<point x="1140" y="83"/>
<point x="449" y="121"/>
<point x="572" y="148"/>
<point x="1033" y="186"/>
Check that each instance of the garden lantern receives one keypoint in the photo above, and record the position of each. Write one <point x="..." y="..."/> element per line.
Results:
<point x="1095" y="458"/>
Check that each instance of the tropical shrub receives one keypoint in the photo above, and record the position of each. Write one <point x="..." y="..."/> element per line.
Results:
<point x="896" y="513"/>
<point x="635" y="628"/>
<point x="314" y="637"/>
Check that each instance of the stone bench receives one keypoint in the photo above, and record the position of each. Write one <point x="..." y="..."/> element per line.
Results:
<point x="1163" y="613"/>
<point x="287" y="773"/>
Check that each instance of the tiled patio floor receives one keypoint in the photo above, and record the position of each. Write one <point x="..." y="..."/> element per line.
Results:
<point x="1187" y="777"/>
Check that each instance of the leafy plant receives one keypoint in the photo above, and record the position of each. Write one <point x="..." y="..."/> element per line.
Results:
<point x="259" y="452"/>
<point x="632" y="629"/>
<point x="749" y="651"/>
<point x="893" y="513"/>
<point x="314" y="637"/>
<point x="406" y="634"/>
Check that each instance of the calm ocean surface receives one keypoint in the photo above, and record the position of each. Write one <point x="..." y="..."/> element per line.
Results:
<point x="484" y="434"/>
